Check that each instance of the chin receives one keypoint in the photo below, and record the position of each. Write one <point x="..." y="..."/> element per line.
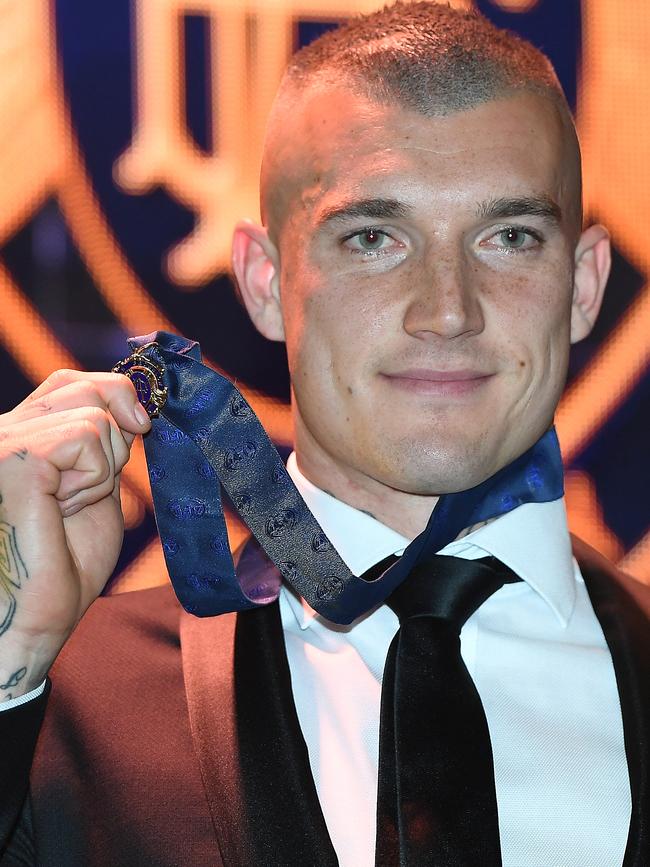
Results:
<point x="432" y="470"/>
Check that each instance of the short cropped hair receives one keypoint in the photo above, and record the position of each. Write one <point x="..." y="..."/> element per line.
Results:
<point x="429" y="57"/>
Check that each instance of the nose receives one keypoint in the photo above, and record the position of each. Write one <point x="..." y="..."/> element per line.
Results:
<point x="445" y="301"/>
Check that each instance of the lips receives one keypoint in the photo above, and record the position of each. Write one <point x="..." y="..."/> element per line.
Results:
<point x="438" y="382"/>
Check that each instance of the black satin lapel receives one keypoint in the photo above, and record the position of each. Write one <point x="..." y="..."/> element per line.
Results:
<point x="285" y="820"/>
<point x="251" y="751"/>
<point x="626" y="627"/>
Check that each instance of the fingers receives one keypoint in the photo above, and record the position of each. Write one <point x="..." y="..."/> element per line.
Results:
<point x="68" y="389"/>
<point x="76" y="430"/>
<point x="71" y="424"/>
<point x="74" y="456"/>
<point x="96" y="453"/>
<point x="66" y="423"/>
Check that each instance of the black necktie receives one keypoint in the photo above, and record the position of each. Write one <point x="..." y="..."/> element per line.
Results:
<point x="436" y="804"/>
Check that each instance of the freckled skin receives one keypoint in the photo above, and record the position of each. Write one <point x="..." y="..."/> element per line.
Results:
<point x="443" y="293"/>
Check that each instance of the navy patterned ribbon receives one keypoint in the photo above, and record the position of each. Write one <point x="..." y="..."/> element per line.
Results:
<point x="205" y="435"/>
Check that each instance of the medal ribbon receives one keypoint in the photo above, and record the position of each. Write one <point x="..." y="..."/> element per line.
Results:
<point x="205" y="436"/>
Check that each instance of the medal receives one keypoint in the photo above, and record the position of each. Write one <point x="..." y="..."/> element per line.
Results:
<point x="147" y="378"/>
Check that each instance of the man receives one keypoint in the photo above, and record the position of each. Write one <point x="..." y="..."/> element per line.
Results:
<point x="423" y="258"/>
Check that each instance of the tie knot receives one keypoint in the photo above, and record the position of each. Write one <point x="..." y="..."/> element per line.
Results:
<point x="449" y="588"/>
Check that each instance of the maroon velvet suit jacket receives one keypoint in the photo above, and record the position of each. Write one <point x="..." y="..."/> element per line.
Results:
<point x="138" y="757"/>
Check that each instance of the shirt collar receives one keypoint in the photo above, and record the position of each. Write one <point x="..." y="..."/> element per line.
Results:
<point x="533" y="540"/>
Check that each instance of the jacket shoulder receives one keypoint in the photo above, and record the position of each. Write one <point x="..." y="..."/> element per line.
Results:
<point x="592" y="562"/>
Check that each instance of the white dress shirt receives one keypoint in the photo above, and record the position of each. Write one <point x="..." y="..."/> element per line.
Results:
<point x="542" y="668"/>
<point x="540" y="663"/>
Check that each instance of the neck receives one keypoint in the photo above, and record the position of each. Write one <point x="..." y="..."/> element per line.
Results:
<point x="403" y="512"/>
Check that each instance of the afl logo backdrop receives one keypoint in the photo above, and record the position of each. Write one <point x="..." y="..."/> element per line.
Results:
<point x="136" y="126"/>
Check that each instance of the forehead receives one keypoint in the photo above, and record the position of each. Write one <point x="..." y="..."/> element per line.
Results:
<point x="337" y="145"/>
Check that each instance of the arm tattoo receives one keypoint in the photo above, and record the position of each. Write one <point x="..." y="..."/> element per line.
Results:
<point x="21" y="454"/>
<point x="15" y="678"/>
<point x="12" y="574"/>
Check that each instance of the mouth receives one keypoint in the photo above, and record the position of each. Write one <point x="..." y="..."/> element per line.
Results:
<point x="442" y="383"/>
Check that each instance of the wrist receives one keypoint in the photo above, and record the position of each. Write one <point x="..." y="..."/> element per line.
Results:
<point x="24" y="667"/>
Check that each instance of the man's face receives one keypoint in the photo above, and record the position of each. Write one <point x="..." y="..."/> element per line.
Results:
<point x="426" y="276"/>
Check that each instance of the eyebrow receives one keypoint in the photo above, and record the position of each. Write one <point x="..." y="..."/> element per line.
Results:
<point x="519" y="206"/>
<point x="491" y="209"/>
<point x="371" y="209"/>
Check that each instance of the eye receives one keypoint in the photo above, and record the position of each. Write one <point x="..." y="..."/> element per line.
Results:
<point x="370" y="240"/>
<point x="514" y="238"/>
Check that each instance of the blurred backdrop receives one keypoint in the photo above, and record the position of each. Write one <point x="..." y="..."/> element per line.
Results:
<point x="130" y="135"/>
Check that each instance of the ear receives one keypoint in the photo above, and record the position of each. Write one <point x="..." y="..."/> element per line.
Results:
<point x="256" y="264"/>
<point x="593" y="259"/>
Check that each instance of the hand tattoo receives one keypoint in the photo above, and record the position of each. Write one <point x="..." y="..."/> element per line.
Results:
<point x="12" y="573"/>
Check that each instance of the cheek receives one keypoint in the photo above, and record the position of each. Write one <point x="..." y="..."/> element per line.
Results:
<point x="315" y="340"/>
<point x="297" y="290"/>
<point x="534" y="308"/>
<point x="330" y="315"/>
<point x="533" y="329"/>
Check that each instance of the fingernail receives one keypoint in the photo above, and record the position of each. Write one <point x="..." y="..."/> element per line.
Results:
<point x="140" y="413"/>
